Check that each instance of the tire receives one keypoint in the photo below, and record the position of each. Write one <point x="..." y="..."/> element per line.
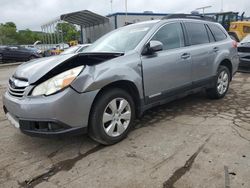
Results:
<point x="221" y="84"/>
<point x="111" y="128"/>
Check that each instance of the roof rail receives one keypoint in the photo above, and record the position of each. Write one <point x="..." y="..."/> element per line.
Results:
<point x="189" y="16"/>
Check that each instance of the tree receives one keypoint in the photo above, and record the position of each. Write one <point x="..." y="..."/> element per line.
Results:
<point x="28" y="37"/>
<point x="8" y="34"/>
<point x="68" y="30"/>
<point x="10" y="24"/>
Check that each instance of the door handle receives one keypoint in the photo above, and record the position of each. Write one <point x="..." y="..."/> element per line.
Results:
<point x="185" y="56"/>
<point x="216" y="49"/>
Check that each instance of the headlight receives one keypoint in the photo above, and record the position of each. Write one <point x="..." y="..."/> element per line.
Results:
<point x="57" y="82"/>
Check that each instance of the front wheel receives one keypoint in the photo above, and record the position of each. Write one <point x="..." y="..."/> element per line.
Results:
<point x="112" y="116"/>
<point x="221" y="85"/>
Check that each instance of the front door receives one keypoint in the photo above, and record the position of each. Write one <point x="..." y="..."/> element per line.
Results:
<point x="168" y="70"/>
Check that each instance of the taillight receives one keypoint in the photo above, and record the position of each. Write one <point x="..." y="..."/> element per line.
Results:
<point x="235" y="44"/>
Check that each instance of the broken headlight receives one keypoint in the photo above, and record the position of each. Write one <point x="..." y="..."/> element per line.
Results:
<point x="57" y="82"/>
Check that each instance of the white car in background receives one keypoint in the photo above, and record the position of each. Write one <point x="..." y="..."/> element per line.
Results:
<point x="75" y="49"/>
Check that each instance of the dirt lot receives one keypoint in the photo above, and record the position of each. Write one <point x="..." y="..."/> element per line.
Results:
<point x="193" y="142"/>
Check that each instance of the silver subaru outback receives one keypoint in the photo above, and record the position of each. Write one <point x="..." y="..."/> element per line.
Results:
<point x="117" y="78"/>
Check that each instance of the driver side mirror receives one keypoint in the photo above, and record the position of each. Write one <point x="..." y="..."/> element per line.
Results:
<point x="152" y="47"/>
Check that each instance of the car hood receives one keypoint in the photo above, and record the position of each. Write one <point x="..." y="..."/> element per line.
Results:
<point x="35" y="69"/>
<point x="42" y="69"/>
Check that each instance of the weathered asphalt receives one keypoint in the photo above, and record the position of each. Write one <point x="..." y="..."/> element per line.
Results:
<point x="192" y="142"/>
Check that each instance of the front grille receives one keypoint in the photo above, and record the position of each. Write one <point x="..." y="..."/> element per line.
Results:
<point x="244" y="49"/>
<point x="17" y="87"/>
<point x="17" y="92"/>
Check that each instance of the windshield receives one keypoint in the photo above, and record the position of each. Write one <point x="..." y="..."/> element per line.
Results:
<point x="121" y="40"/>
<point x="246" y="39"/>
<point x="71" y="50"/>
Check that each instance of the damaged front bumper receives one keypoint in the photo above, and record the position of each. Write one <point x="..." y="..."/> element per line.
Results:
<point x="65" y="113"/>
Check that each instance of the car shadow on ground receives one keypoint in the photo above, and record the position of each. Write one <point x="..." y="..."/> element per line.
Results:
<point x="151" y="117"/>
<point x="64" y="152"/>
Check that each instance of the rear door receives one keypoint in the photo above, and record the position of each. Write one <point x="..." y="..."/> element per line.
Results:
<point x="201" y="51"/>
<point x="168" y="70"/>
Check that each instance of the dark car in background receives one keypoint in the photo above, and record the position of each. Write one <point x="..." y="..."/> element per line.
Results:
<point x="244" y="53"/>
<point x="17" y="53"/>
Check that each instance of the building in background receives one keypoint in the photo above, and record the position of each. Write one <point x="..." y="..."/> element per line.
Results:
<point x="93" y="25"/>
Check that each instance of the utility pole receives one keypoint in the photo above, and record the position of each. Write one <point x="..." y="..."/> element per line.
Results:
<point x="111" y="6"/>
<point x="222" y="5"/>
<point x="126" y="10"/>
<point x="203" y="9"/>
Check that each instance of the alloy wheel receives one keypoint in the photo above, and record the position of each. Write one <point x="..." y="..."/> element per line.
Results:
<point x="116" y="117"/>
<point x="222" y="82"/>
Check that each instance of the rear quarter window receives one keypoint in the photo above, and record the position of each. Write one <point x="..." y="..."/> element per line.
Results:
<point x="210" y="35"/>
<point x="197" y="33"/>
<point x="218" y="33"/>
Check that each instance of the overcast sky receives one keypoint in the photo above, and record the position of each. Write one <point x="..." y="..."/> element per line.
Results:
<point x="33" y="13"/>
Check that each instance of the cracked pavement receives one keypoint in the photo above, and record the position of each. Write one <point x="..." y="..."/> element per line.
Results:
<point x="187" y="143"/>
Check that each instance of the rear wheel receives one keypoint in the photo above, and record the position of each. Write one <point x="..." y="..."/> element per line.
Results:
<point x="221" y="84"/>
<point x="112" y="116"/>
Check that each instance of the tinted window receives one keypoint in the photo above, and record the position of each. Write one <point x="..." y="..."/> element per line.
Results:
<point x="171" y="36"/>
<point x="210" y="35"/>
<point x="217" y="32"/>
<point x="197" y="33"/>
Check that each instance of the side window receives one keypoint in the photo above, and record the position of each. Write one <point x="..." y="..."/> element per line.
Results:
<point x="171" y="36"/>
<point x="217" y="32"/>
<point x="197" y="33"/>
<point x="210" y="35"/>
